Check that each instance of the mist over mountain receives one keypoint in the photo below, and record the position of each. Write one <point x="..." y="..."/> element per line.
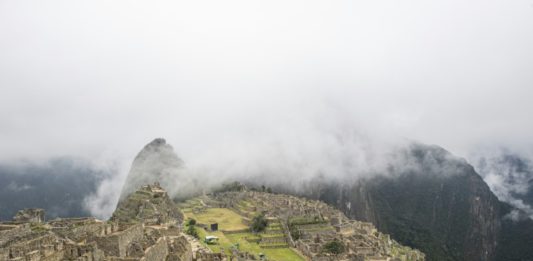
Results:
<point x="156" y="162"/>
<point x="509" y="174"/>
<point x="424" y="196"/>
<point x="439" y="204"/>
<point x="60" y="186"/>
<point x="333" y="100"/>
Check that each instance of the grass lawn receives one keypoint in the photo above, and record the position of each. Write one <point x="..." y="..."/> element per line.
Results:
<point x="229" y="220"/>
<point x="226" y="218"/>
<point x="227" y="241"/>
<point x="277" y="254"/>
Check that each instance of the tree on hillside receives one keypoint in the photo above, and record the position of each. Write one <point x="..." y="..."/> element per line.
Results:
<point x="259" y="223"/>
<point x="333" y="247"/>
<point x="191" y="229"/>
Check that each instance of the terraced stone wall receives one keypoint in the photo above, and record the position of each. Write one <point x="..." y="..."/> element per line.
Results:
<point x="159" y="251"/>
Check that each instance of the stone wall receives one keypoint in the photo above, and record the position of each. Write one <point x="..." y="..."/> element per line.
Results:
<point x="113" y="258"/>
<point x="109" y="244"/>
<point x="36" y="243"/>
<point x="85" y="252"/>
<point x="159" y="251"/>
<point x="204" y="256"/>
<point x="56" y="256"/>
<point x="180" y="249"/>
<point x="10" y="232"/>
<point x="134" y="233"/>
<point x="117" y="243"/>
<point x="79" y="229"/>
<point x="43" y="246"/>
<point x="81" y="232"/>
<point x="4" y="253"/>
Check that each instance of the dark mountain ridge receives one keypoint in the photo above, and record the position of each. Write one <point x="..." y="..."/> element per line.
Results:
<point x="430" y="200"/>
<point x="59" y="185"/>
<point x="427" y="199"/>
<point x="439" y="204"/>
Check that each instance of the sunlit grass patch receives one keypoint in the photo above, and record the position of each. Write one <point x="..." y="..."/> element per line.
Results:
<point x="227" y="219"/>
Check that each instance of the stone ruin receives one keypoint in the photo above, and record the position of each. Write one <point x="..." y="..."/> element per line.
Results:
<point x="31" y="215"/>
<point x="147" y="227"/>
<point x="29" y="238"/>
<point x="151" y="205"/>
<point x="309" y="225"/>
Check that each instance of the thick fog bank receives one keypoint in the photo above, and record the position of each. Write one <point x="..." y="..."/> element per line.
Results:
<point x="59" y="186"/>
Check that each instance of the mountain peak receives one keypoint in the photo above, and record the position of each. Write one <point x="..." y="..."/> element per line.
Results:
<point x="156" y="162"/>
<point x="157" y="142"/>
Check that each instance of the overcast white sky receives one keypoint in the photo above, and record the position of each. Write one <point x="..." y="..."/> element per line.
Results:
<point x="100" y="79"/>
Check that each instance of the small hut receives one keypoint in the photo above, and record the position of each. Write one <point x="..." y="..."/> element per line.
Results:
<point x="214" y="227"/>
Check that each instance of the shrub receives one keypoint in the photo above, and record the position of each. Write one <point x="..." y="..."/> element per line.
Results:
<point x="191" y="230"/>
<point x="295" y="232"/>
<point x="333" y="247"/>
<point x="234" y="186"/>
<point x="259" y="223"/>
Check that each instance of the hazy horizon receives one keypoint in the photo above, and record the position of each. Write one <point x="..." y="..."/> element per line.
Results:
<point x="245" y="82"/>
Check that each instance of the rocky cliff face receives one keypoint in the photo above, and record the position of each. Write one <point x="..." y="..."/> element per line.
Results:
<point x="510" y="177"/>
<point x="427" y="199"/>
<point x="516" y="236"/>
<point x="438" y="204"/>
<point x="157" y="162"/>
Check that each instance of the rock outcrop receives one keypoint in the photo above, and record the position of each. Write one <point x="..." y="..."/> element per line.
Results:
<point x="437" y="204"/>
<point x="151" y="205"/>
<point x="157" y="162"/>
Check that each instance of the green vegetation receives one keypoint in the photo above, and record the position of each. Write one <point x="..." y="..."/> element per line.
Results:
<point x="227" y="219"/>
<point x="306" y="220"/>
<point x="247" y="208"/>
<point x="234" y="186"/>
<point x="262" y="189"/>
<point x="227" y="241"/>
<point x="516" y="238"/>
<point x="394" y="202"/>
<point x="276" y="254"/>
<point x="240" y="236"/>
<point x="333" y="247"/>
<point x="295" y="232"/>
<point x="259" y="223"/>
<point x="191" y="230"/>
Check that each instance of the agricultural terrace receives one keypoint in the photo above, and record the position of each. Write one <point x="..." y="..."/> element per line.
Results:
<point x="234" y="232"/>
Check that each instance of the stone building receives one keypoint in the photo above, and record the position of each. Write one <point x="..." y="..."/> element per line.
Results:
<point x="29" y="238"/>
<point x="32" y="215"/>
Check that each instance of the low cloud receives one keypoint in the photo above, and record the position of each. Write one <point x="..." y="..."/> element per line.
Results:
<point x="59" y="186"/>
<point x="13" y="186"/>
<point x="509" y="174"/>
<point x="274" y="89"/>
